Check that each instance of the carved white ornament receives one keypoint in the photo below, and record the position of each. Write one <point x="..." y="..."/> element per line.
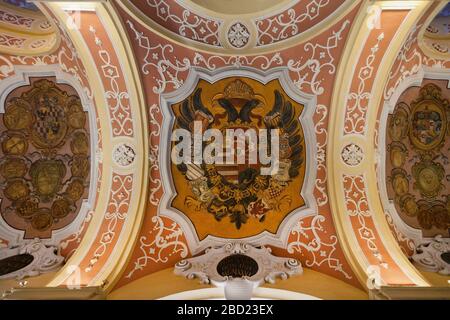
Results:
<point x="238" y="35"/>
<point x="270" y="268"/>
<point x="429" y="255"/>
<point x="352" y="155"/>
<point x="124" y="155"/>
<point x="46" y="259"/>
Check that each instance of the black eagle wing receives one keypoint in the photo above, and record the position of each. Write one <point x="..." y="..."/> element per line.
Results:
<point x="291" y="125"/>
<point x="188" y="110"/>
<point x="283" y="117"/>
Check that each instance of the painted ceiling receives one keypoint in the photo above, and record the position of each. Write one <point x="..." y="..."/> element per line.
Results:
<point x="352" y="83"/>
<point x="417" y="167"/>
<point x="45" y="158"/>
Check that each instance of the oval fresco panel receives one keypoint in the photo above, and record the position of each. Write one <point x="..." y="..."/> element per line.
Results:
<point x="417" y="163"/>
<point x="44" y="157"/>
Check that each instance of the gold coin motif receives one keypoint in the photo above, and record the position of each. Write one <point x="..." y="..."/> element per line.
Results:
<point x="42" y="220"/>
<point x="429" y="180"/>
<point x="398" y="126"/>
<point x="15" y="145"/>
<point x="75" y="190"/>
<point x="411" y="208"/>
<point x="27" y="208"/>
<point x="400" y="184"/>
<point x="60" y="208"/>
<point x="80" y="166"/>
<point x="16" y="190"/>
<point x="13" y="168"/>
<point x="425" y="219"/>
<point x="17" y="117"/>
<point x="77" y="117"/>
<point x="80" y="144"/>
<point x="398" y="157"/>
<point x="409" y="205"/>
<point x="47" y="176"/>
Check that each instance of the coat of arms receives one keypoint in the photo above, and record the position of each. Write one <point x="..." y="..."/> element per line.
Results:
<point x="235" y="199"/>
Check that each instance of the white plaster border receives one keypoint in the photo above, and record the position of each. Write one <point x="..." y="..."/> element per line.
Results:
<point x="22" y="78"/>
<point x="424" y="72"/>
<point x="280" y="239"/>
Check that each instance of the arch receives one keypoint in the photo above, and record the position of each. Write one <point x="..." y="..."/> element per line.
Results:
<point x="357" y="211"/>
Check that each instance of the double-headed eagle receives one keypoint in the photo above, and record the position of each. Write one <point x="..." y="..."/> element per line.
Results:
<point x="254" y="195"/>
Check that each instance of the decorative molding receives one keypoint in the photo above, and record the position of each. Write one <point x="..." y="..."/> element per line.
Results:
<point x="434" y="37"/>
<point x="116" y="91"/>
<point x="358" y="101"/>
<point x="358" y="209"/>
<point x="358" y="216"/>
<point x="409" y="293"/>
<point x="115" y="217"/>
<point x="54" y="293"/>
<point x="238" y="267"/>
<point x="106" y="243"/>
<point x="45" y="259"/>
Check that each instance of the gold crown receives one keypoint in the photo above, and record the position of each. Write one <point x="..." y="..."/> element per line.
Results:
<point x="239" y="89"/>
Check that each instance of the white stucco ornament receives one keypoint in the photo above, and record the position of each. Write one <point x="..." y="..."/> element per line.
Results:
<point x="434" y="255"/>
<point x="124" y="155"/>
<point x="35" y="257"/>
<point x="238" y="35"/>
<point x="239" y="268"/>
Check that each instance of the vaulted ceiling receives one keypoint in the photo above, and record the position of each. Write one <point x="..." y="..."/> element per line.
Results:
<point x="361" y="90"/>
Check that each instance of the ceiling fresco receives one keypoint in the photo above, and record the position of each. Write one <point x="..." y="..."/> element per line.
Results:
<point x="412" y="61"/>
<point x="234" y="200"/>
<point x="45" y="157"/>
<point x="220" y="30"/>
<point x="417" y="163"/>
<point x="165" y="67"/>
<point x="64" y="61"/>
<point x="85" y="145"/>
